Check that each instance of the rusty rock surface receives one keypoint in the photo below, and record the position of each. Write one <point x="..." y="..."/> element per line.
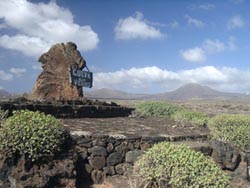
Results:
<point x="53" y="83"/>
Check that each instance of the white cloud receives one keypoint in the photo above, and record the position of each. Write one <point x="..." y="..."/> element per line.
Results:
<point x="5" y="76"/>
<point x="136" y="27"/>
<point x="194" y="55"/>
<point x="235" y="22"/>
<point x="194" y="22"/>
<point x="207" y="6"/>
<point x="30" y="46"/>
<point x="1" y="87"/>
<point x="42" y="25"/>
<point x="213" y="46"/>
<point x="18" y="71"/>
<point x="136" y="79"/>
<point x="208" y="47"/>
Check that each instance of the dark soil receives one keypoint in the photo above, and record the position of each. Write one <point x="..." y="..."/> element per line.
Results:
<point x="129" y="127"/>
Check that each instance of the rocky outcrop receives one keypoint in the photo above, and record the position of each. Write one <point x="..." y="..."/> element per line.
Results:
<point x="22" y="173"/>
<point x="54" y="82"/>
<point x="227" y="156"/>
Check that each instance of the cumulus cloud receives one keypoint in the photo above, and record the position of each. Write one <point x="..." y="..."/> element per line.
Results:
<point x="5" y="76"/>
<point x="38" y="26"/>
<point x="235" y="22"/>
<point x="136" y="79"/>
<point x="30" y="46"/>
<point x="136" y="27"/>
<point x="208" y="47"/>
<point x="194" y="55"/>
<point x="18" y="71"/>
<point x="213" y="46"/>
<point x="194" y="22"/>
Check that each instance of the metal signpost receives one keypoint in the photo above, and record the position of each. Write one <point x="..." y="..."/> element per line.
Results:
<point x="81" y="78"/>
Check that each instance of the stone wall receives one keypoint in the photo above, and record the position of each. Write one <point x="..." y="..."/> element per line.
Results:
<point x="78" y="109"/>
<point x="101" y="156"/>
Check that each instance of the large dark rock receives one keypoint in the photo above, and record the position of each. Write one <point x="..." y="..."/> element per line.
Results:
<point x="132" y="156"/>
<point x="58" y="171"/>
<point x="97" y="162"/>
<point x="227" y="156"/>
<point x="98" y="151"/>
<point x="114" y="159"/>
<point x="7" y="164"/>
<point x="54" y="82"/>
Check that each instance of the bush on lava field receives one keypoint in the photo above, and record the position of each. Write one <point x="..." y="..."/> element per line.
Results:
<point x="167" y="165"/>
<point x="32" y="134"/>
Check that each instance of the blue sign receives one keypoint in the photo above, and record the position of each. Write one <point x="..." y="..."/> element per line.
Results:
<point x="80" y="78"/>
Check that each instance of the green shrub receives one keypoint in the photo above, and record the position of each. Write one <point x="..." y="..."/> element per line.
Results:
<point x="166" y="165"/>
<point x="33" y="134"/>
<point x="233" y="128"/>
<point x="156" y="108"/>
<point x="186" y="116"/>
<point x="179" y="114"/>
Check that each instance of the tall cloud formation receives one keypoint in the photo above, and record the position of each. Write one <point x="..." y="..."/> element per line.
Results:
<point x="136" y="28"/>
<point x="147" y="78"/>
<point x="38" y="26"/>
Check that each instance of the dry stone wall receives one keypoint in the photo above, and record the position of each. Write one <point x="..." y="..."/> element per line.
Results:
<point x="101" y="156"/>
<point x="70" y="109"/>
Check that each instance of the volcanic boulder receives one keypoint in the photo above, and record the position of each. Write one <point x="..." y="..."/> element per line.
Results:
<point x="53" y="83"/>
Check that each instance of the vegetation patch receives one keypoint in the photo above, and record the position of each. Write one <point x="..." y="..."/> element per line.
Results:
<point x="166" y="165"/>
<point x="156" y="108"/>
<point x="185" y="116"/>
<point x="233" y="128"/>
<point x="32" y="134"/>
<point x="179" y="114"/>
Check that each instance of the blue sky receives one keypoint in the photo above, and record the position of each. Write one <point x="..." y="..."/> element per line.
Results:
<point x="139" y="46"/>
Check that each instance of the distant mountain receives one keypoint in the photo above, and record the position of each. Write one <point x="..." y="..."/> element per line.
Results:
<point x="4" y="94"/>
<point x="186" y="92"/>
<point x="106" y="93"/>
<point x="196" y="91"/>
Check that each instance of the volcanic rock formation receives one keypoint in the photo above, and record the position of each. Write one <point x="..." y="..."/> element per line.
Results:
<point x="53" y="83"/>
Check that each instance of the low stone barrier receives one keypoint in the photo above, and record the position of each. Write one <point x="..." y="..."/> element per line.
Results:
<point x="100" y="156"/>
<point x="71" y="110"/>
